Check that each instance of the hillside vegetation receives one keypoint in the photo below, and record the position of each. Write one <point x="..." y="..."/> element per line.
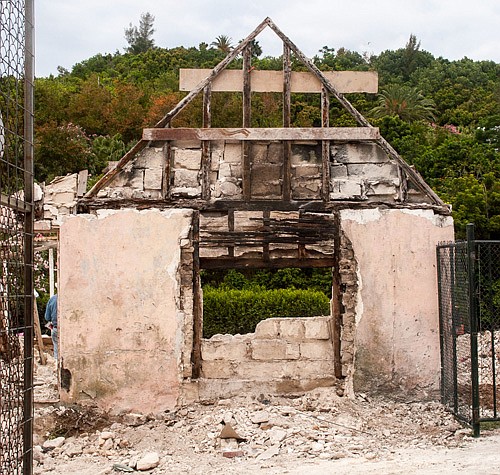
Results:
<point x="442" y="116"/>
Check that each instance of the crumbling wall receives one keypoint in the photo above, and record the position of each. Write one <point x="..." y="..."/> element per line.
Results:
<point x="358" y="171"/>
<point x="396" y="328"/>
<point x="125" y="305"/>
<point x="283" y="355"/>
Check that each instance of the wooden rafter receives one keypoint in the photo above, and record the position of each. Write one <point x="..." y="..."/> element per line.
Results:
<point x="328" y="87"/>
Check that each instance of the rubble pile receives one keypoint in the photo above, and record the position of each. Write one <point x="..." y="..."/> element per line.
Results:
<point x="319" y="425"/>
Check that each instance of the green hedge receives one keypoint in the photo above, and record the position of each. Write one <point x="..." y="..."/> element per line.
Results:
<point x="239" y="311"/>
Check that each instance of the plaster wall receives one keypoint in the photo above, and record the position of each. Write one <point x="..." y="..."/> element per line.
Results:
<point x="121" y="325"/>
<point x="397" y="329"/>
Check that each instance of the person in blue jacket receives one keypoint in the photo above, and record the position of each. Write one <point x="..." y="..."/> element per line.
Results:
<point x="51" y="317"/>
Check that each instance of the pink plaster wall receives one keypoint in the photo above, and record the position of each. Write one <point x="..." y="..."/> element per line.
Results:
<point x="397" y="326"/>
<point x="120" y="327"/>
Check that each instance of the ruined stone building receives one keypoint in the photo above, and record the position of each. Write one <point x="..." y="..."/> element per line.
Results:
<point x="184" y="200"/>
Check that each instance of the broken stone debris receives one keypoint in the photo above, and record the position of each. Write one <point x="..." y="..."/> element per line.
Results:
<point x="319" y="425"/>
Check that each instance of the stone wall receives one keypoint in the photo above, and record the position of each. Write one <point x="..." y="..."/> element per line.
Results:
<point x="126" y="308"/>
<point x="283" y="355"/>
<point x="358" y="171"/>
<point x="393" y="300"/>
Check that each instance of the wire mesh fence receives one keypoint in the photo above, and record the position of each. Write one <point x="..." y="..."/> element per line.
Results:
<point x="16" y="232"/>
<point x="469" y="307"/>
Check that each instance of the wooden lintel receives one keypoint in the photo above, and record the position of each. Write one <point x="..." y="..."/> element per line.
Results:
<point x="231" y="80"/>
<point x="345" y="134"/>
<point x="246" y="263"/>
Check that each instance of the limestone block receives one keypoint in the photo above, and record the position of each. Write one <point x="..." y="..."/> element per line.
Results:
<point x="263" y="189"/>
<point x="260" y="370"/>
<point x="302" y="193"/>
<point x="217" y="369"/>
<point x="338" y="153"/>
<point x="307" y="170"/>
<point x="186" y="178"/>
<point x="317" y="328"/>
<point x="226" y="189"/>
<point x="308" y="369"/>
<point x="236" y="170"/>
<point x="153" y="178"/>
<point x="275" y="153"/>
<point x="136" y="181"/>
<point x="246" y="251"/>
<point x="345" y="189"/>
<point x="150" y="157"/>
<point x="224" y="170"/>
<point x="232" y="153"/>
<point x="365" y="153"/>
<point x="225" y="347"/>
<point x="61" y="198"/>
<point x="269" y="350"/>
<point x="292" y="328"/>
<point x="373" y="171"/>
<point x="258" y="153"/>
<point x="187" y="158"/>
<point x="306" y="154"/>
<point x="381" y="188"/>
<point x="338" y="171"/>
<point x="317" y="350"/>
<point x="269" y="328"/>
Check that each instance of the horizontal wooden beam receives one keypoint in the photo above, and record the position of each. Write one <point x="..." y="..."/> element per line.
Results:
<point x="231" y="80"/>
<point x="247" y="263"/>
<point x="344" y="134"/>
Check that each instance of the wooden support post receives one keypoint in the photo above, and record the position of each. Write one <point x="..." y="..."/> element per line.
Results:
<point x="247" y="118"/>
<point x="325" y="144"/>
<point x="266" y="215"/>
<point x="287" y="146"/>
<point x="230" y="227"/>
<point x="206" y="144"/>
<point x="336" y="304"/>
<point x="197" y="302"/>
<point x="165" y="184"/>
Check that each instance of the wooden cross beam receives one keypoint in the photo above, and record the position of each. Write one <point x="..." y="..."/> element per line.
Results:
<point x="231" y="80"/>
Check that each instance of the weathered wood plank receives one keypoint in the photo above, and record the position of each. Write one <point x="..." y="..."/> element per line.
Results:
<point x="197" y="299"/>
<point x="285" y="133"/>
<point x="325" y="145"/>
<point x="287" y="121"/>
<point x="247" y="91"/>
<point x="223" y="262"/>
<point x="231" y="80"/>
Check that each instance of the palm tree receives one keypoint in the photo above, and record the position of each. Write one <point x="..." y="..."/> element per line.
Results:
<point x="406" y="102"/>
<point x="222" y="43"/>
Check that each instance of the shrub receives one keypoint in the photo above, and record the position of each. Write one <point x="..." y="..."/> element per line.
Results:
<point x="239" y="311"/>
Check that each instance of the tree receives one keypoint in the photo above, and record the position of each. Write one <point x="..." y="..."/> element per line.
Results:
<point x="140" y="39"/>
<point x="222" y="43"/>
<point x="405" y="102"/>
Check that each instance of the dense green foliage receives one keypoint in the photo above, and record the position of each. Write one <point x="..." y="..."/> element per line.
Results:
<point x="235" y="301"/>
<point x="442" y="116"/>
<point x="239" y="311"/>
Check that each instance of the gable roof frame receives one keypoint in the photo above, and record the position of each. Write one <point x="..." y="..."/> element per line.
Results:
<point x="404" y="168"/>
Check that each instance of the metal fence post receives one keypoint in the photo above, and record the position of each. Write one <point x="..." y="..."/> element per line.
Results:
<point x="471" y="258"/>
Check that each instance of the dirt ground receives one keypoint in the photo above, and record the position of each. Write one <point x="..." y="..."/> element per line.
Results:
<point x="320" y="432"/>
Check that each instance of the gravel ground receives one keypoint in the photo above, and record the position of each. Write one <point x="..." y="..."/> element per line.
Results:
<point x="318" y="432"/>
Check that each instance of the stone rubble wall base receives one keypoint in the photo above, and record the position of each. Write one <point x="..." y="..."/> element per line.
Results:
<point x="284" y="355"/>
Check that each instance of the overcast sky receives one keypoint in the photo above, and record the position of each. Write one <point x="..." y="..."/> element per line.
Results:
<point x="70" y="31"/>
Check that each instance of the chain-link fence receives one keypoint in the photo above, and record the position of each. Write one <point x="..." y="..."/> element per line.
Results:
<point x="469" y="305"/>
<point x="16" y="231"/>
